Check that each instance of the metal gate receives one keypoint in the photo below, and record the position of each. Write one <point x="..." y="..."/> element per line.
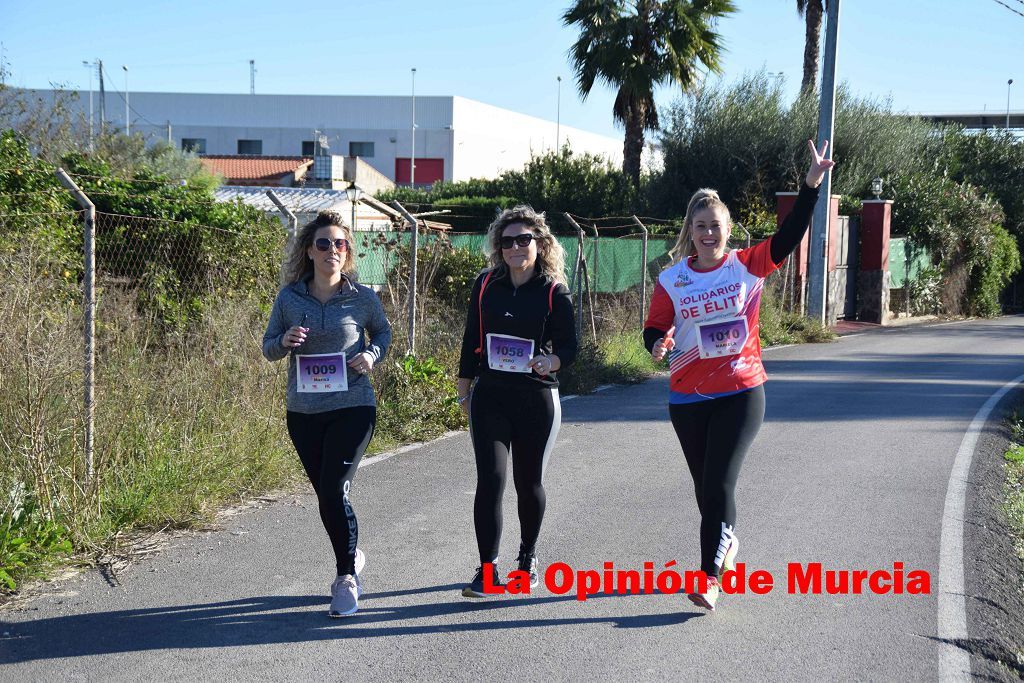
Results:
<point x="847" y="265"/>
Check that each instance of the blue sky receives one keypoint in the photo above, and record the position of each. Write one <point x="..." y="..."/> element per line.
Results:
<point x="927" y="55"/>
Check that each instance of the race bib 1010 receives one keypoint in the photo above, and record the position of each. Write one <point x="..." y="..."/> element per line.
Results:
<point x="722" y="337"/>
<point x="321" y="373"/>
<point x="508" y="354"/>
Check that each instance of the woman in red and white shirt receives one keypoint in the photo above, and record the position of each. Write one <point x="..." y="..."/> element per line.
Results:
<point x="704" y="318"/>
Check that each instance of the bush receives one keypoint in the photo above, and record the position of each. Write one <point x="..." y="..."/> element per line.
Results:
<point x="926" y="292"/>
<point x="993" y="161"/>
<point x="961" y="228"/>
<point x="583" y="184"/>
<point x="457" y="270"/>
<point x="746" y="141"/>
<point x="992" y="273"/>
<point x="417" y="401"/>
<point x="28" y="541"/>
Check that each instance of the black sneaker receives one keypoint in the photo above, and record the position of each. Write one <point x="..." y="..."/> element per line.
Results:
<point x="475" y="588"/>
<point x="528" y="563"/>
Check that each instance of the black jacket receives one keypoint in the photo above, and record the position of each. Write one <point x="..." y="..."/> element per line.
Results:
<point x="519" y="312"/>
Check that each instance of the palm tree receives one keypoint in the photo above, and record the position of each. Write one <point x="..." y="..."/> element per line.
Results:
<point x="812" y="11"/>
<point x="635" y="45"/>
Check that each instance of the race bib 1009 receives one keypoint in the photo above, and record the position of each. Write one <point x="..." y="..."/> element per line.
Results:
<point x="722" y="337"/>
<point x="508" y="354"/>
<point x="321" y="373"/>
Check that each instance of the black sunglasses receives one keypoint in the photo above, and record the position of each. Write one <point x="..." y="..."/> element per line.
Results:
<point x="324" y="244"/>
<point x="519" y="240"/>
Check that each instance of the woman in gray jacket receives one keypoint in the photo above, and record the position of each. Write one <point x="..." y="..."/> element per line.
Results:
<point x="320" y="321"/>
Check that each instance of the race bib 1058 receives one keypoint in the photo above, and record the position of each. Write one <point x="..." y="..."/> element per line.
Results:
<point x="508" y="354"/>
<point x="321" y="373"/>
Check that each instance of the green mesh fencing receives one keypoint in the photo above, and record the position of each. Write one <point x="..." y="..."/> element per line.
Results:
<point x="906" y="261"/>
<point x="614" y="262"/>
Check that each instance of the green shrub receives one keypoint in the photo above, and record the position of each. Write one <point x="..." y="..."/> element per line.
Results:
<point x="992" y="273"/>
<point x="28" y="541"/>
<point x="417" y="401"/>
<point x="926" y="292"/>
<point x="456" y="272"/>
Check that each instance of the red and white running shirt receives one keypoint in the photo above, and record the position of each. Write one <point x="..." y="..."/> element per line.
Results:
<point x="716" y="316"/>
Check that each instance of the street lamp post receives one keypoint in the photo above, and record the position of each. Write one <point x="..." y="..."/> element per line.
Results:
<point x="558" y="117"/>
<point x="127" y="121"/>
<point x="90" y="67"/>
<point x="1008" y="84"/>
<point x="353" y="193"/>
<point x="412" y="160"/>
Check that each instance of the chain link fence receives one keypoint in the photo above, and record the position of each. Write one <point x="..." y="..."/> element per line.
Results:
<point x="145" y="322"/>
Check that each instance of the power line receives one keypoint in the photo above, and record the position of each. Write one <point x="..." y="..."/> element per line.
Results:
<point x="1010" y="8"/>
<point x="130" y="107"/>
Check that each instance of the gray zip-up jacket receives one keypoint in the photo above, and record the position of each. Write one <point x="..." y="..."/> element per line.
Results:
<point x="340" y="324"/>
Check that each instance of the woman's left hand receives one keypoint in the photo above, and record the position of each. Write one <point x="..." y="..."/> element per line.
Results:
<point x="361" y="363"/>
<point x="820" y="164"/>
<point x="544" y="365"/>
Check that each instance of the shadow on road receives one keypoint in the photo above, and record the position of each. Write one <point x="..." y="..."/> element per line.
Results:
<point x="278" y="619"/>
<point x="869" y="387"/>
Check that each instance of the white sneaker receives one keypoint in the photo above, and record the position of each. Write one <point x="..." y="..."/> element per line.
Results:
<point x="708" y="598"/>
<point x="360" y="561"/>
<point x="729" y="562"/>
<point x="345" y="593"/>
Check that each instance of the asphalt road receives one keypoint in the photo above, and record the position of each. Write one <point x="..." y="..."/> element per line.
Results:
<point x="850" y="469"/>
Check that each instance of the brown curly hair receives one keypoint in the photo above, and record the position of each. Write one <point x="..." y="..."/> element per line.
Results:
<point x="299" y="266"/>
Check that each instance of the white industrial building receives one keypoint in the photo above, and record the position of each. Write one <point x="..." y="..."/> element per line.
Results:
<point x="456" y="138"/>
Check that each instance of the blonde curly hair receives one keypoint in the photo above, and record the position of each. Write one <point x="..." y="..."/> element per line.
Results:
<point x="299" y="266"/>
<point x="550" y="254"/>
<point x="704" y="198"/>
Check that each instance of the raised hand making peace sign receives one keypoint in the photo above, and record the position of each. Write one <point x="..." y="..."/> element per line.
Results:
<point x="820" y="164"/>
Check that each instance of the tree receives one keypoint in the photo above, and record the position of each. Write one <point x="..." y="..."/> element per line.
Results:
<point x="634" y="45"/>
<point x="812" y="11"/>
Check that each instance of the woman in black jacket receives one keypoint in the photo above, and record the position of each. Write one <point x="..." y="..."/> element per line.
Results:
<point x="520" y="331"/>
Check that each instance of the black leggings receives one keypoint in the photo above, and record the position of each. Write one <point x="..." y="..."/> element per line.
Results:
<point x="330" y="446"/>
<point x="716" y="435"/>
<point x="524" y="421"/>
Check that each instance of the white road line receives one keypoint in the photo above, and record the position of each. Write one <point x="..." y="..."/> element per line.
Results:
<point x="373" y="460"/>
<point x="955" y="662"/>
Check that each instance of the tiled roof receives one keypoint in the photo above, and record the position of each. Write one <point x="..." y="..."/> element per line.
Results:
<point x="254" y="169"/>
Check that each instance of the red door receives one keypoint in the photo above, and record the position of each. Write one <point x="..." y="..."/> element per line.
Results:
<point x="427" y="170"/>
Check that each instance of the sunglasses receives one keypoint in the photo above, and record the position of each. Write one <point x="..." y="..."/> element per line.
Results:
<point x="519" y="240"/>
<point x="324" y="244"/>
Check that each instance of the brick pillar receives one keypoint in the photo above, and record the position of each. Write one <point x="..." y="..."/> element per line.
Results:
<point x="873" y="278"/>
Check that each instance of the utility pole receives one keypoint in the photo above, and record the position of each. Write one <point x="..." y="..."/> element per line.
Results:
<point x="127" y="117"/>
<point x="412" y="160"/>
<point x="558" y="116"/>
<point x="252" y="76"/>
<point x="817" y="257"/>
<point x="1008" y="84"/>
<point x="170" y="141"/>
<point x="103" y="98"/>
<point x="91" y="67"/>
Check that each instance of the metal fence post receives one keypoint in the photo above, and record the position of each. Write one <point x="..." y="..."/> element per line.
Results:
<point x="643" y="270"/>
<point x="582" y="280"/>
<point x="293" y="221"/>
<point x="414" y="227"/>
<point x="90" y="321"/>
<point x="293" y="227"/>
